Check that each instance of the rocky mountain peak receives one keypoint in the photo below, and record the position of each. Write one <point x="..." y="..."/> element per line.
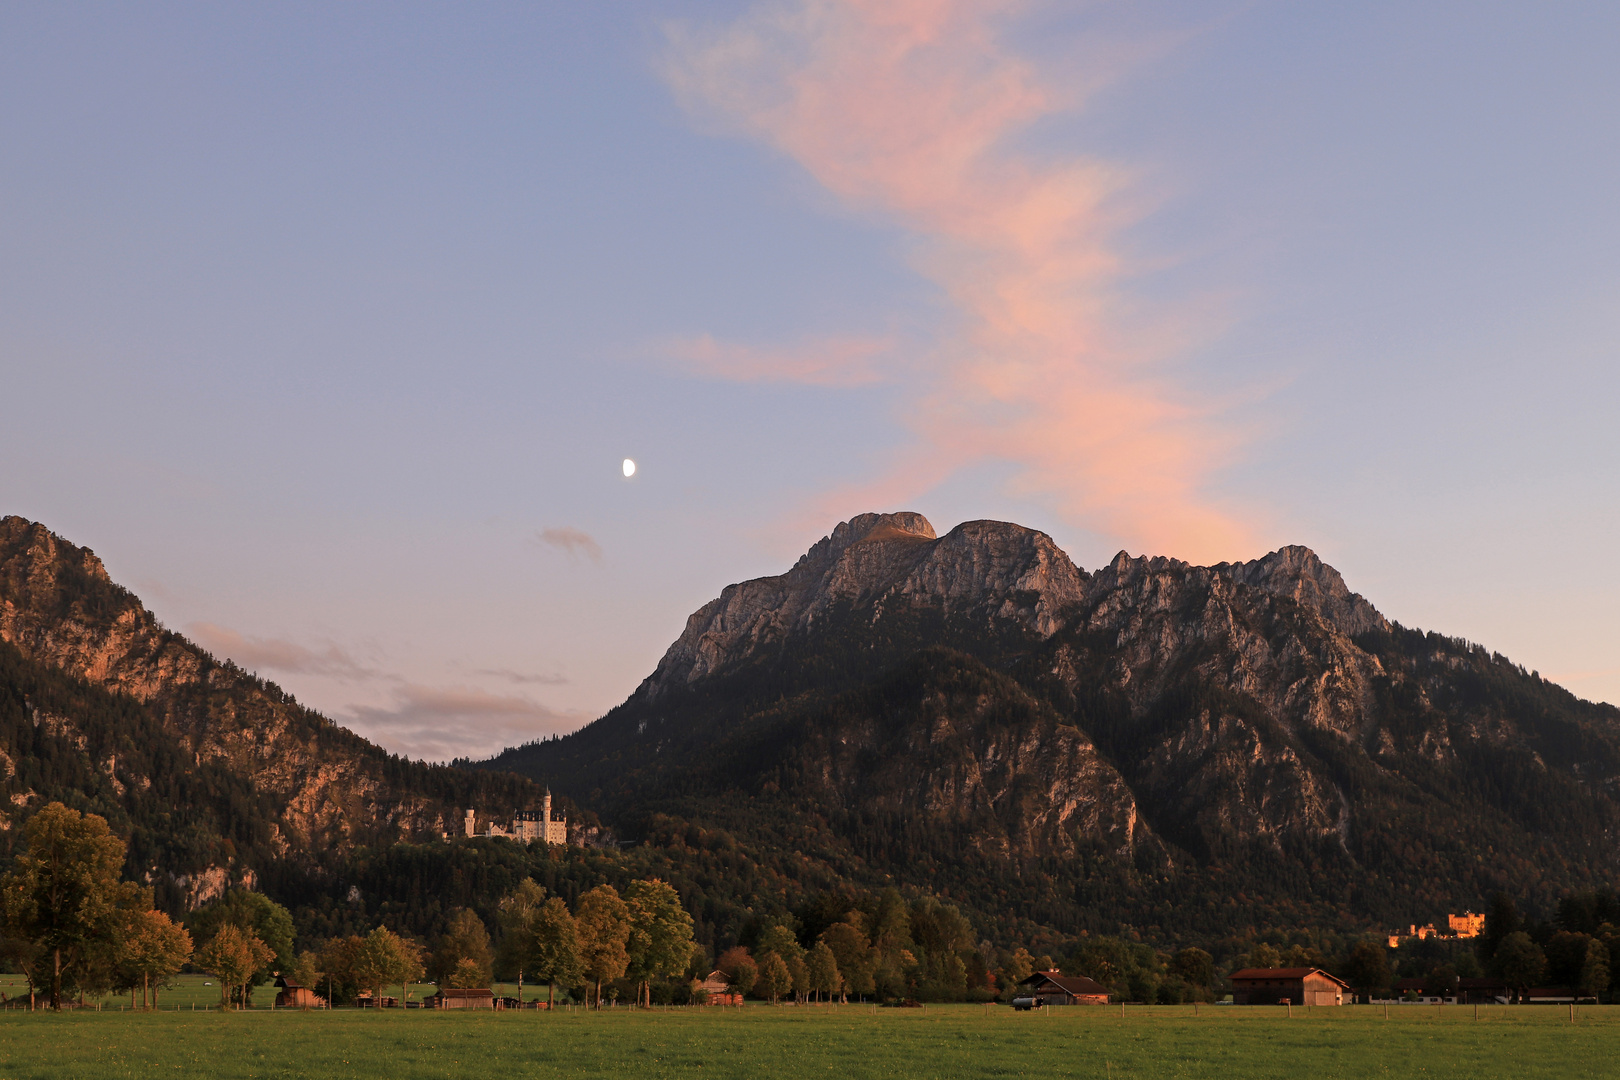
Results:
<point x="1297" y="573"/>
<point x="881" y="563"/>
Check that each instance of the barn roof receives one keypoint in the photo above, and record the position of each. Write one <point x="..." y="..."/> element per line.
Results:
<point x="1077" y="985"/>
<point x="1247" y="974"/>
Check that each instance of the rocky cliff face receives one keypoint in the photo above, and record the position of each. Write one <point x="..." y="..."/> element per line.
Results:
<point x="141" y="704"/>
<point x="1181" y="719"/>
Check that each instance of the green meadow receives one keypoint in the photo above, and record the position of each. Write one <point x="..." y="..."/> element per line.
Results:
<point x="852" y="1041"/>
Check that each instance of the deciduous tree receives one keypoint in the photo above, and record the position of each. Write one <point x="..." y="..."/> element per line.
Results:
<point x="554" y="953"/>
<point x="1520" y="961"/>
<point x="308" y="972"/>
<point x="385" y="958"/>
<point x="739" y="968"/>
<point x="602" y="921"/>
<point x="853" y="952"/>
<point x="660" y="943"/>
<point x="234" y="956"/>
<point x="63" y="894"/>
<point x="774" y="977"/>
<point x="822" y="967"/>
<point x="1367" y="968"/>
<point x="247" y="910"/>
<point x="1594" y="976"/>
<point x="519" y="909"/>
<point x="466" y="939"/>
<point x="152" y="950"/>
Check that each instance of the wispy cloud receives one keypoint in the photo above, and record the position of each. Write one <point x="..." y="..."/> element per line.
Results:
<point x="405" y="715"/>
<point x="907" y="110"/>
<point x="439" y="723"/>
<point x="520" y="678"/>
<point x="277" y="654"/>
<point x="573" y="541"/>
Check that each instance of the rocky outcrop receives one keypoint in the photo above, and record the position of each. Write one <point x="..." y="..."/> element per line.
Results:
<point x="882" y="564"/>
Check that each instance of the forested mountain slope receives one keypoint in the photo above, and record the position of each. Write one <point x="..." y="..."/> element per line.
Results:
<point x="213" y="774"/>
<point x="1151" y="743"/>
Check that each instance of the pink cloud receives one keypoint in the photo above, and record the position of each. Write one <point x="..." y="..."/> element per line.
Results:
<point x="573" y="541"/>
<point x="905" y="110"/>
<point x="277" y="654"/>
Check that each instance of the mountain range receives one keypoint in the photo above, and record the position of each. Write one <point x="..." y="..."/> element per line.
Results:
<point x="1150" y="746"/>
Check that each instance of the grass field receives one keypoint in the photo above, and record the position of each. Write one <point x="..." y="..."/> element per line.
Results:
<point x="943" y="1041"/>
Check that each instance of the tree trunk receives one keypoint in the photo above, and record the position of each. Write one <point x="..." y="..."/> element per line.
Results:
<point x="551" y="997"/>
<point x="599" y="994"/>
<point x="56" y="981"/>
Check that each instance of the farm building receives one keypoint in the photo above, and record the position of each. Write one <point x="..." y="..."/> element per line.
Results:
<point x="717" y="989"/>
<point x="449" y="998"/>
<point x="293" y="996"/>
<point x="1056" y="988"/>
<point x="1287" y="986"/>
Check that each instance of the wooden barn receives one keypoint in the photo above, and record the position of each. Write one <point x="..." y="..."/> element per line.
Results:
<point x="293" y="996"/>
<point x="450" y="998"/>
<point x="1056" y="988"/>
<point x="1287" y="986"/>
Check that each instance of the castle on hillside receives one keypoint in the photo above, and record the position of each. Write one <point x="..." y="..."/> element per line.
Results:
<point x="527" y="825"/>
<point x="1467" y="925"/>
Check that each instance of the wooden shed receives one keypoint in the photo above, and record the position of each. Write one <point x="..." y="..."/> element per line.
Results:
<point x="294" y="996"/>
<point x="1055" y="988"/>
<point x="1287" y="986"/>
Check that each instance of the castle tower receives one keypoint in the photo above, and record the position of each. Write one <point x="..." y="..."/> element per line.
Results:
<point x="472" y="816"/>
<point x="556" y="832"/>
<point x="545" y="810"/>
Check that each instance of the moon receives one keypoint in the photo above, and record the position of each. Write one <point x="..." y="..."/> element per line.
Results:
<point x="629" y="468"/>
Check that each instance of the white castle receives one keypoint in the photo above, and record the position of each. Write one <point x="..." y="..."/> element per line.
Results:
<point x="527" y="825"/>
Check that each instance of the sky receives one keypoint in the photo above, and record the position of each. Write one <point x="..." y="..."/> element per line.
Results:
<point x="328" y="327"/>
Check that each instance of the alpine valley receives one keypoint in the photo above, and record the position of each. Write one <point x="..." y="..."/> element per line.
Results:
<point x="1185" y="752"/>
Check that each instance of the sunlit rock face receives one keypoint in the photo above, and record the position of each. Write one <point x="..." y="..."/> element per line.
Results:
<point x="1172" y="716"/>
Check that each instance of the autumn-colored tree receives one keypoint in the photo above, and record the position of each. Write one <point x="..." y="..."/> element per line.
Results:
<point x="660" y="943"/>
<point x="234" y="956"/>
<point x="519" y="912"/>
<point x="774" y="977"/>
<point x="151" y="952"/>
<point x="602" y="921"/>
<point x="63" y="896"/>
<point x="739" y="969"/>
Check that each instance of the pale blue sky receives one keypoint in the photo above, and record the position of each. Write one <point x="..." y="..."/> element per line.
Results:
<point x="314" y="318"/>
